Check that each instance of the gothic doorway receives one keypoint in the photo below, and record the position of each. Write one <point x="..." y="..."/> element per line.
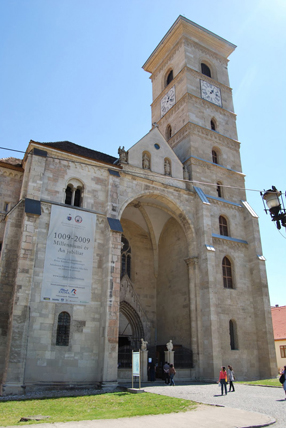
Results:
<point x="130" y="333"/>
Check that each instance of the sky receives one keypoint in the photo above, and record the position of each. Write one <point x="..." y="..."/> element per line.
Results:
<point x="72" y="70"/>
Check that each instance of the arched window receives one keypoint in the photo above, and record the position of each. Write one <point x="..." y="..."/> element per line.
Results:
<point x="205" y="70"/>
<point x="146" y="160"/>
<point x="77" y="196"/>
<point x="223" y="227"/>
<point x="168" y="132"/>
<point x="63" y="330"/>
<point x="227" y="273"/>
<point x="73" y="193"/>
<point x="215" y="156"/>
<point x="125" y="257"/>
<point x="219" y="189"/>
<point x="213" y="125"/>
<point x="169" y="78"/>
<point x="233" y="335"/>
<point x="69" y="192"/>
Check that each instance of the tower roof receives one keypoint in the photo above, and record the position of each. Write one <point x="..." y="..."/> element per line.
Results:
<point x="184" y="27"/>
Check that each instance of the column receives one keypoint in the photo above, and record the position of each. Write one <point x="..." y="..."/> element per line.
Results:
<point x="192" y="263"/>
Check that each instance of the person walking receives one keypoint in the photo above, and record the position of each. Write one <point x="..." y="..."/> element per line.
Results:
<point x="172" y="373"/>
<point x="283" y="372"/>
<point x="231" y="378"/>
<point x="223" y="380"/>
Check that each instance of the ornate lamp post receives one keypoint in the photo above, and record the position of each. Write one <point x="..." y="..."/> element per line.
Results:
<point x="275" y="205"/>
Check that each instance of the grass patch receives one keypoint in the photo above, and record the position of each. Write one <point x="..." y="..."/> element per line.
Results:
<point x="265" y="382"/>
<point x="105" y="406"/>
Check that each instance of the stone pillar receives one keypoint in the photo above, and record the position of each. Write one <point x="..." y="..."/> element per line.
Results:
<point x="192" y="263"/>
<point x="144" y="365"/>
<point x="22" y="234"/>
<point x="112" y="312"/>
<point x="169" y="357"/>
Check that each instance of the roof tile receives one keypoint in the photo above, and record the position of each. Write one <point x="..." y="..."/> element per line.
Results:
<point x="279" y="322"/>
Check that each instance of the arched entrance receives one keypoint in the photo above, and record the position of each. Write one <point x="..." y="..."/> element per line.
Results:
<point x="130" y="326"/>
<point x="130" y="333"/>
<point x="160" y="239"/>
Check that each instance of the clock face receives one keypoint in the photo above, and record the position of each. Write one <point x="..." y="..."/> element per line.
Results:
<point x="168" y="101"/>
<point x="210" y="93"/>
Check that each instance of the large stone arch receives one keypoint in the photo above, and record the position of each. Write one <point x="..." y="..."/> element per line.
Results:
<point x="162" y="238"/>
<point x="172" y="208"/>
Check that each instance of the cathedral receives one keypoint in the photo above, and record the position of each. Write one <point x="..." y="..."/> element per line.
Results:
<point x="100" y="254"/>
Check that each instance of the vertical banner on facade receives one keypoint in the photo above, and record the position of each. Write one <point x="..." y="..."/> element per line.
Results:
<point x="68" y="265"/>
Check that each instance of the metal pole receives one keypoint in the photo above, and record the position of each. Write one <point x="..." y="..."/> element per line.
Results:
<point x="132" y="369"/>
<point x="139" y="368"/>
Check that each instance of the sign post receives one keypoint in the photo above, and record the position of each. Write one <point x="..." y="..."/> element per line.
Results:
<point x="136" y="367"/>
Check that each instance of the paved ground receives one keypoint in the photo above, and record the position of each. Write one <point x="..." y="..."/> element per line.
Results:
<point x="203" y="417"/>
<point x="249" y="406"/>
<point x="265" y="400"/>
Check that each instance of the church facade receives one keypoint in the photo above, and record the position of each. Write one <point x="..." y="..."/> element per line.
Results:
<point x="159" y="244"/>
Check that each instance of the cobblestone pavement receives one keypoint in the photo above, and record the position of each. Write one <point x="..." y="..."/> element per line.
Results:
<point x="268" y="400"/>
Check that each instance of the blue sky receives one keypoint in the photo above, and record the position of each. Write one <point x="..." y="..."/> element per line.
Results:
<point x="72" y="70"/>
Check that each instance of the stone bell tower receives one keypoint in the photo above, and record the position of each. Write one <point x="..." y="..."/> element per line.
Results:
<point x="193" y="106"/>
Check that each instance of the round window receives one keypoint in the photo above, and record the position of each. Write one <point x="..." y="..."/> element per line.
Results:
<point x="157" y="147"/>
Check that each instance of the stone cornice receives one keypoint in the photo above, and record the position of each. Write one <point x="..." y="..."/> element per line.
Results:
<point x="206" y="103"/>
<point x="225" y="204"/>
<point x="155" y="179"/>
<point x="195" y="101"/>
<point x="206" y="51"/>
<point x="194" y="34"/>
<point x="201" y="76"/>
<point x="164" y="65"/>
<point x="218" y="242"/>
<point x="65" y="156"/>
<point x="11" y="172"/>
<point x="198" y="76"/>
<point x="210" y="165"/>
<point x="213" y="136"/>
<point x="7" y="165"/>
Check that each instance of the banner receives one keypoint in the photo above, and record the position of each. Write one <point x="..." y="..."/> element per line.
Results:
<point x="67" y="276"/>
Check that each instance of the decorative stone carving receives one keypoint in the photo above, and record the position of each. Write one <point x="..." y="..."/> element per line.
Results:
<point x="144" y="344"/>
<point x="192" y="261"/>
<point x="10" y="173"/>
<point x="46" y="208"/>
<point x="205" y="51"/>
<point x="167" y="167"/>
<point x="220" y="242"/>
<point x="128" y="294"/>
<point x="185" y="173"/>
<point x="123" y="155"/>
<point x="170" y="345"/>
<point x="145" y="161"/>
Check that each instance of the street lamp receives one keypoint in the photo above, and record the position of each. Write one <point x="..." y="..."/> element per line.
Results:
<point x="275" y="206"/>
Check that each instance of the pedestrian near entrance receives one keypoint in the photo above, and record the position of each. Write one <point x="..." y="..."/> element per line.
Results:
<point x="223" y="380"/>
<point x="152" y="371"/>
<point x="166" y="369"/>
<point x="231" y="378"/>
<point x="172" y="373"/>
